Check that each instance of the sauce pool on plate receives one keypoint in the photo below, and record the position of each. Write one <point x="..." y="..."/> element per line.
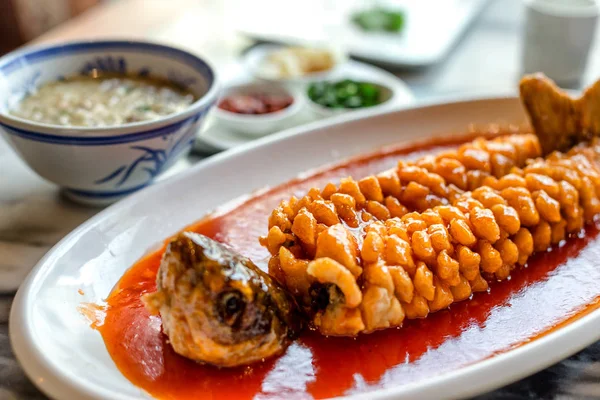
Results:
<point x="555" y="287"/>
<point x="87" y="101"/>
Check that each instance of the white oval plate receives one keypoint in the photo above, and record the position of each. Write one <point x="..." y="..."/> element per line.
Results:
<point x="66" y="359"/>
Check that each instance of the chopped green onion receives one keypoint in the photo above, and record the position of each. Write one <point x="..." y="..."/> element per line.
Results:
<point x="380" y="20"/>
<point x="344" y="94"/>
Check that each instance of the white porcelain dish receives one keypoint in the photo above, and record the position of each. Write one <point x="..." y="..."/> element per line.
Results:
<point x="102" y="164"/>
<point x="432" y="27"/>
<point x="219" y="136"/>
<point x="66" y="359"/>
<point x="259" y="125"/>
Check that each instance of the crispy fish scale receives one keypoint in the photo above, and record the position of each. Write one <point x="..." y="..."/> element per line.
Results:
<point x="415" y="186"/>
<point x="408" y="266"/>
<point x="413" y="269"/>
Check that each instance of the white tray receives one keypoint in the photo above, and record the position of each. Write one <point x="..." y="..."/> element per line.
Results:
<point x="221" y="138"/>
<point x="431" y="27"/>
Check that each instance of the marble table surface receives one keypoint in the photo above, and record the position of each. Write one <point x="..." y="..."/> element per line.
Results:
<point x="34" y="216"/>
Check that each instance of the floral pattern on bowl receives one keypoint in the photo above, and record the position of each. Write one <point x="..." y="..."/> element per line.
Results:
<point x="151" y="160"/>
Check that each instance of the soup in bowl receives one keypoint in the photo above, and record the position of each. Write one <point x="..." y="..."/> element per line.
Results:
<point x="103" y="119"/>
<point x="98" y="100"/>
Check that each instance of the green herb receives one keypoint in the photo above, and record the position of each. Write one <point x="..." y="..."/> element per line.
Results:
<point x="380" y="20"/>
<point x="345" y="94"/>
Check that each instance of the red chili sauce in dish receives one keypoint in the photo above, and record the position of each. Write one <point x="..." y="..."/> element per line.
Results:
<point x="259" y="103"/>
<point x="554" y="289"/>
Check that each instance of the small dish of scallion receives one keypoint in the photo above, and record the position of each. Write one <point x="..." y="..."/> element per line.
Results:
<point x="332" y="97"/>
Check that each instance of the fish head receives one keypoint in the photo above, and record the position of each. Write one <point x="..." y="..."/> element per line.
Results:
<point x="218" y="307"/>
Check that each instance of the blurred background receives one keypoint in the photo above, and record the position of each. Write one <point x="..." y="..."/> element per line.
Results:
<point x="443" y="47"/>
<point x="25" y="20"/>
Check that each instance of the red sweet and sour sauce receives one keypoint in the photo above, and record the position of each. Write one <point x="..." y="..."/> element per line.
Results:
<point x="555" y="288"/>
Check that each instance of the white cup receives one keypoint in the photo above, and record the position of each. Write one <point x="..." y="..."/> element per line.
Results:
<point x="557" y="38"/>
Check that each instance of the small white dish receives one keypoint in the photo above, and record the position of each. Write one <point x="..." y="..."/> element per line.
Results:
<point x="67" y="359"/>
<point x="557" y="38"/>
<point x="100" y="165"/>
<point x="258" y="125"/>
<point x="256" y="56"/>
<point x="220" y="137"/>
<point x="385" y="98"/>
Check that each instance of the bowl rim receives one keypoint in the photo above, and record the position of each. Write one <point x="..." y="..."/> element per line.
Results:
<point x="71" y="133"/>
<point x="286" y="112"/>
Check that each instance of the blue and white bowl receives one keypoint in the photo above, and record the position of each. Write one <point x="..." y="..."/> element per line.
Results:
<point x="101" y="165"/>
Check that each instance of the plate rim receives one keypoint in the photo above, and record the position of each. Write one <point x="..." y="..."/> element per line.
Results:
<point x="58" y="383"/>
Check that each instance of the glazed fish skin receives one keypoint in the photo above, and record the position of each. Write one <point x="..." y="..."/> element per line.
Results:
<point x="218" y="307"/>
